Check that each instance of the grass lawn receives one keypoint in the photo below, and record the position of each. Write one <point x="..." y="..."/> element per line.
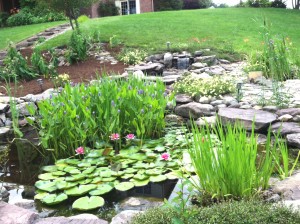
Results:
<point x="230" y="29"/>
<point x="19" y="33"/>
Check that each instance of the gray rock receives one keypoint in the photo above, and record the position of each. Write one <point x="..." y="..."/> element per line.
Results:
<point x="168" y="57"/>
<point x="207" y="59"/>
<point x="168" y="80"/>
<point x="273" y="198"/>
<point x="4" y="133"/>
<point x="4" y="194"/>
<point x="169" y="73"/>
<point x="198" y="53"/>
<point x="286" y="128"/>
<point x="138" y="74"/>
<point x="194" y="110"/>
<point x="261" y="119"/>
<point x="11" y="214"/>
<point x="202" y="75"/>
<point x="77" y="219"/>
<point x="229" y="99"/>
<point x="203" y="121"/>
<point x="198" y="65"/>
<point x="199" y="71"/>
<point x="25" y="203"/>
<point x="285" y="118"/>
<point x="272" y="109"/>
<point x="216" y="70"/>
<point x="289" y="187"/>
<point x="292" y="204"/>
<point x="246" y="106"/>
<point x="234" y="105"/>
<point x="183" y="98"/>
<point x="147" y="68"/>
<point x="223" y="61"/>
<point x="204" y="100"/>
<point x="290" y="111"/>
<point x="172" y="118"/>
<point x="3" y="107"/>
<point x="124" y="217"/>
<point x="296" y="118"/>
<point x="217" y="102"/>
<point x="22" y="108"/>
<point x="140" y="204"/>
<point x="293" y="140"/>
<point x="221" y="106"/>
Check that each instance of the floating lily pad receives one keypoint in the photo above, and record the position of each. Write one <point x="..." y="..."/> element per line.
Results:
<point x="48" y="186"/>
<point x="39" y="196"/>
<point x="88" y="203"/>
<point x="124" y="186"/>
<point x="69" y="168"/>
<point x="153" y="172"/>
<point x="80" y="190"/>
<point x="74" y="171"/>
<point x="84" y="165"/>
<point x="130" y="170"/>
<point x="62" y="185"/>
<point x="171" y="176"/>
<point x="49" y="168"/>
<point x="117" y="174"/>
<point x="108" y="179"/>
<point x="86" y="181"/>
<point x="46" y="176"/>
<point x="140" y="176"/>
<point x="101" y="189"/>
<point x="158" y="178"/>
<point x="72" y="161"/>
<point x="95" y="153"/>
<point x="106" y="173"/>
<point x="75" y="177"/>
<point x="96" y="180"/>
<point x="140" y="183"/>
<point x="58" y="173"/>
<point x="127" y="176"/>
<point x="160" y="148"/>
<point x="53" y="199"/>
<point x="89" y="170"/>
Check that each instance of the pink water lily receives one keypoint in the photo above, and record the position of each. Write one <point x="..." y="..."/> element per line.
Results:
<point x="79" y="150"/>
<point x="165" y="156"/>
<point x="130" y="136"/>
<point x="114" y="136"/>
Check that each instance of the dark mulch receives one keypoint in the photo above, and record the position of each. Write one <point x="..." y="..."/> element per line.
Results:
<point x="79" y="72"/>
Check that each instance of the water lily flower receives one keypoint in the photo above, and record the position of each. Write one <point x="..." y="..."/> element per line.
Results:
<point x="130" y="136"/>
<point x="114" y="136"/>
<point x="165" y="156"/>
<point x="79" y="150"/>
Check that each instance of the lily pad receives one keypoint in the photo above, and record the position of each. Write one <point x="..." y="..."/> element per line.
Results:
<point x="80" y="190"/>
<point x="88" y="203"/>
<point x="101" y="189"/>
<point x="171" y="176"/>
<point x="39" y="196"/>
<point x="74" y="171"/>
<point x="62" y="185"/>
<point x="75" y="177"/>
<point x="53" y="199"/>
<point x="140" y="183"/>
<point x="127" y="176"/>
<point x="69" y="168"/>
<point x="95" y="153"/>
<point x="108" y="179"/>
<point x="48" y="186"/>
<point x="46" y="176"/>
<point x="72" y="161"/>
<point x="158" y="178"/>
<point x="130" y="170"/>
<point x="96" y="180"/>
<point x="49" y="168"/>
<point x="124" y="186"/>
<point x="160" y="148"/>
<point x="89" y="170"/>
<point x="58" y="173"/>
<point x="140" y="176"/>
<point x="153" y="172"/>
<point x="85" y="181"/>
<point x="84" y="165"/>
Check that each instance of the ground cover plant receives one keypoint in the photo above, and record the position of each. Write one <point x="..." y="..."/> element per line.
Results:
<point x="101" y="170"/>
<point x="239" y="31"/>
<point x="87" y="114"/>
<point x="22" y="32"/>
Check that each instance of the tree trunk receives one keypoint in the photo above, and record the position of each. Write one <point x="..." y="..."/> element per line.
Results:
<point x="296" y="4"/>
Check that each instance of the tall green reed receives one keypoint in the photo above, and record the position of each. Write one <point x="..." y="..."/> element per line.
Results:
<point x="231" y="166"/>
<point x="88" y="114"/>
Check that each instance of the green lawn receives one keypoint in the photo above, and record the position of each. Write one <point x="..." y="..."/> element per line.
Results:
<point x="230" y="29"/>
<point x="19" y="33"/>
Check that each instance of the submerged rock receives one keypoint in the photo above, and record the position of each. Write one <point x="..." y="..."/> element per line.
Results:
<point x="124" y="217"/>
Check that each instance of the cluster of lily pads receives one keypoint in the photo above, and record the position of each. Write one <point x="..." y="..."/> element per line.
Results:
<point x="101" y="170"/>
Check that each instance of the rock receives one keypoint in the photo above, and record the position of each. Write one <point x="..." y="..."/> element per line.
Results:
<point x="246" y="106"/>
<point x="11" y="214"/>
<point x="138" y="74"/>
<point x="4" y="194"/>
<point x="203" y="121"/>
<point x="216" y="70"/>
<point x="228" y="100"/>
<point x="286" y="128"/>
<point x="172" y="118"/>
<point x="4" y="133"/>
<point x="289" y="187"/>
<point x="22" y="109"/>
<point x="199" y="71"/>
<point x="25" y="203"/>
<point x="290" y="111"/>
<point x="221" y="106"/>
<point x="223" y="61"/>
<point x="149" y="68"/>
<point x="211" y="60"/>
<point x="204" y="100"/>
<point x="168" y="57"/>
<point x="4" y="107"/>
<point x="273" y="198"/>
<point x="293" y="140"/>
<point x="169" y="80"/>
<point x="141" y="204"/>
<point x="217" y="102"/>
<point x="285" y="118"/>
<point x="183" y="98"/>
<point x="254" y="76"/>
<point x="169" y="73"/>
<point x="198" y="53"/>
<point x="194" y="110"/>
<point x="271" y="108"/>
<point x="296" y="118"/>
<point x="202" y="75"/>
<point x="198" y="65"/>
<point x="124" y="217"/>
<point x="261" y="119"/>
<point x="292" y="204"/>
<point x="77" y="219"/>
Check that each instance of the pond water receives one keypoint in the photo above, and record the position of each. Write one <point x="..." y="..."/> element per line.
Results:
<point x="23" y="166"/>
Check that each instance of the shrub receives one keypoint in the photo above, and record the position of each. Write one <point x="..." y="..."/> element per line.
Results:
<point x="230" y="167"/>
<point x="78" y="47"/>
<point x="165" y="5"/>
<point x="205" y="3"/>
<point x="83" y="18"/>
<point x="108" y="8"/>
<point x="84" y="115"/>
<point x="278" y="4"/>
<point x="3" y="18"/>
<point x="225" y="213"/>
<point x="214" y="86"/>
<point x="21" y="18"/>
<point x="132" y="56"/>
<point x="191" y="4"/>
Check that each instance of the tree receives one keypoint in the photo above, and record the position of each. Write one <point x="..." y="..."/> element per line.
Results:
<point x="71" y="8"/>
<point x="165" y="5"/>
<point x="296" y="4"/>
<point x="205" y="3"/>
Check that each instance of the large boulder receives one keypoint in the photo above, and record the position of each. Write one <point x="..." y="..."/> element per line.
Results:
<point x="261" y="119"/>
<point x="286" y="128"/>
<point x="194" y="110"/>
<point x="293" y="140"/>
<point x="124" y="217"/>
<point x="77" y="219"/>
<point x="289" y="187"/>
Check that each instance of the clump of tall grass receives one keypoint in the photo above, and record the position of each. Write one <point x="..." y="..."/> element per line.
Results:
<point x="233" y="168"/>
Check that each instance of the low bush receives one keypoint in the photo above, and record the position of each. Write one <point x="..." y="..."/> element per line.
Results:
<point x="108" y="8"/>
<point x="214" y="86"/>
<point x="238" y="212"/>
<point x="83" y="115"/>
<point x="162" y="5"/>
<point x="3" y="18"/>
<point x="77" y="47"/>
<point x="132" y="56"/>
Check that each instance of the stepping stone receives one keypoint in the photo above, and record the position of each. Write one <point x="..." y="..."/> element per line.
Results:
<point x="195" y="110"/>
<point x="261" y="119"/>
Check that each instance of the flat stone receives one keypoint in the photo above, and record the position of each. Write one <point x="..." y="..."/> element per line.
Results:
<point x="293" y="140"/>
<point x="77" y="219"/>
<point x="11" y="214"/>
<point x="147" y="68"/>
<point x="261" y="119"/>
<point x="140" y="204"/>
<point x="286" y="128"/>
<point x="198" y="65"/>
<point x="289" y="188"/>
<point x="217" y="70"/>
<point x="183" y="98"/>
<point x="285" y="118"/>
<point x="194" y="110"/>
<point x="271" y="108"/>
<point x="124" y="217"/>
<point x="173" y="118"/>
<point x="204" y="100"/>
<point x="207" y="59"/>
<point x="170" y="79"/>
<point x="217" y="102"/>
<point x="290" y="111"/>
<point x="223" y="61"/>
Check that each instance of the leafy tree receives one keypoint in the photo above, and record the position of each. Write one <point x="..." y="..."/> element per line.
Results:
<point x="205" y="3"/>
<point x="191" y="4"/>
<point x="71" y="8"/>
<point x="278" y="4"/>
<point x="164" y="5"/>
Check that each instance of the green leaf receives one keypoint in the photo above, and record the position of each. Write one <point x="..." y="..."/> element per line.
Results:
<point x="53" y="199"/>
<point x="62" y="185"/>
<point x="124" y="186"/>
<point x="58" y="173"/>
<point x="127" y="176"/>
<point x="140" y="183"/>
<point x="95" y="153"/>
<point x="158" y="178"/>
<point x="80" y="190"/>
<point x="46" y="176"/>
<point x="75" y="177"/>
<point x="84" y="165"/>
<point x="160" y="148"/>
<point x="48" y="186"/>
<point x="49" y="168"/>
<point x="101" y="189"/>
<point x="88" y="203"/>
<point x="154" y="172"/>
<point x="41" y="195"/>
<point x="140" y="176"/>
<point x="89" y="170"/>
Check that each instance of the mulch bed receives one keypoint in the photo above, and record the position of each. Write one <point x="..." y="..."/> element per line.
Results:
<point x="78" y="72"/>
